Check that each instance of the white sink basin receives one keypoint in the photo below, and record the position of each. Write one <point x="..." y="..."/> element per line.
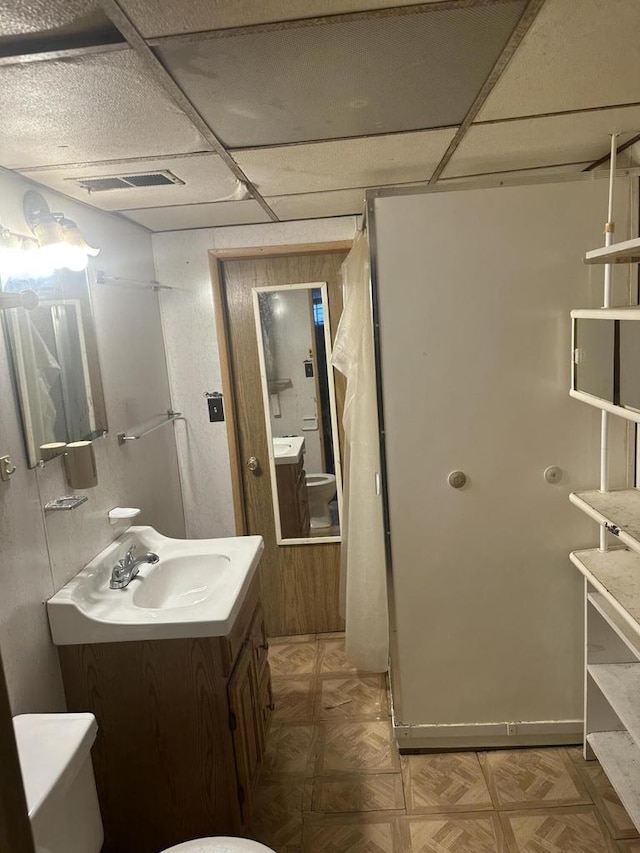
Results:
<point x="288" y="450"/>
<point x="195" y="590"/>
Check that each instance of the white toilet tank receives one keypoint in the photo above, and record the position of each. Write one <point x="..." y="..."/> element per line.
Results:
<point x="54" y="752"/>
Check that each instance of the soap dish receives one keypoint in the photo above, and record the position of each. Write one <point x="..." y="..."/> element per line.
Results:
<point x="123" y="513"/>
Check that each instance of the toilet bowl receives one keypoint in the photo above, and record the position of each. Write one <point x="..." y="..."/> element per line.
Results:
<point x="219" y="844"/>
<point x="321" y="488"/>
<point x="60" y="789"/>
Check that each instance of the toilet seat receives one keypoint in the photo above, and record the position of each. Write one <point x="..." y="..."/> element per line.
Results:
<point x="220" y="844"/>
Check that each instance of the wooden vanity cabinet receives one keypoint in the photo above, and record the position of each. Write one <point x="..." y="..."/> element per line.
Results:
<point x="181" y="730"/>
<point x="293" y="500"/>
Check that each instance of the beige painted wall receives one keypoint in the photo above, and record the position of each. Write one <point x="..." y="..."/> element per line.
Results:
<point x="38" y="552"/>
<point x="192" y="352"/>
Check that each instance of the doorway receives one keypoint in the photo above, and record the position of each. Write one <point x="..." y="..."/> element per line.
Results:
<point x="300" y="566"/>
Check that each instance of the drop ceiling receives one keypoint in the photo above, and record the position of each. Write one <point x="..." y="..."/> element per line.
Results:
<point x="291" y="109"/>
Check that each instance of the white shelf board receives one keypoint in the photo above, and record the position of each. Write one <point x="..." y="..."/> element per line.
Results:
<point x="619" y="511"/>
<point x="627" y="252"/>
<point x="606" y="406"/>
<point x="620" y="685"/>
<point x="622" y="312"/>
<point x="620" y="759"/>
<point x="616" y="575"/>
<point x="622" y="627"/>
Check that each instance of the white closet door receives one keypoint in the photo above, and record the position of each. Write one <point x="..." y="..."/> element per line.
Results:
<point x="475" y="288"/>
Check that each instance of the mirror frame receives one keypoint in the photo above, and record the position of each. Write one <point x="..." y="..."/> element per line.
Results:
<point x="307" y="286"/>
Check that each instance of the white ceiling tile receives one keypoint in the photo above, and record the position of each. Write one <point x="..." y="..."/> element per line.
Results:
<point x="205" y="176"/>
<point x="318" y="205"/>
<point x="578" y="54"/>
<point x="170" y="17"/>
<point x="87" y="108"/>
<point x="38" y="16"/>
<point x="199" y="215"/>
<point x="549" y="141"/>
<point x="345" y="164"/>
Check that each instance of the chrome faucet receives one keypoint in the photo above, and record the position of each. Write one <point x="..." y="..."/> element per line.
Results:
<point x="128" y="567"/>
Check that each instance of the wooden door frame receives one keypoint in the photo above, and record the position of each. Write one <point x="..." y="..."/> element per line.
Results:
<point x="216" y="258"/>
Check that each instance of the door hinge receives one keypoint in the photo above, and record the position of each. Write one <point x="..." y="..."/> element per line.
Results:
<point x="233" y="723"/>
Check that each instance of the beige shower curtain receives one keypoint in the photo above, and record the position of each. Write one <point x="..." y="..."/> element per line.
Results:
<point x="364" y="589"/>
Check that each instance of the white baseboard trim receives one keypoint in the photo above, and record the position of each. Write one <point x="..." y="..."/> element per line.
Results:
<point x="488" y="735"/>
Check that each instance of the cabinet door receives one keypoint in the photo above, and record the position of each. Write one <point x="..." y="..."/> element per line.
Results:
<point x="243" y="704"/>
<point x="265" y="703"/>
<point x="260" y="647"/>
<point x="259" y="642"/>
<point x="303" y="504"/>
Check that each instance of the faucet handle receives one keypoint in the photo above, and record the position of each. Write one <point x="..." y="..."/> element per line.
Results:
<point x="128" y="557"/>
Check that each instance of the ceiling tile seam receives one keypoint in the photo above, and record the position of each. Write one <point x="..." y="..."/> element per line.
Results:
<point x="332" y="139"/>
<point x="242" y="224"/>
<point x="601" y="109"/>
<point x="45" y="189"/>
<point x="522" y="27"/>
<point x="318" y="20"/>
<point x="182" y="204"/>
<point x="363" y="188"/>
<point x="515" y="171"/>
<point x="607" y="156"/>
<point x="162" y="76"/>
<point x="62" y="54"/>
<point x="127" y="210"/>
<point x="122" y="161"/>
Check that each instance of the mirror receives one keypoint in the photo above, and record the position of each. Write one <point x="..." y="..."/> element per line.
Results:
<point x="54" y="357"/>
<point x="294" y="345"/>
<point x="594" y="343"/>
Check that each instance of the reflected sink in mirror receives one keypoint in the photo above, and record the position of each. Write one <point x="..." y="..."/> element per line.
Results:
<point x="196" y="589"/>
<point x="288" y="449"/>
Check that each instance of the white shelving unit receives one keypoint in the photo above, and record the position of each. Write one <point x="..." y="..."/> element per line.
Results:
<point x="618" y="511"/>
<point x="612" y="576"/>
<point x="627" y="252"/>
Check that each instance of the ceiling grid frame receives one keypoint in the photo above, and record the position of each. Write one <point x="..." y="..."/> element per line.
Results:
<point x="526" y="20"/>
<point x="321" y="20"/>
<point x="461" y="157"/>
<point x="121" y="20"/>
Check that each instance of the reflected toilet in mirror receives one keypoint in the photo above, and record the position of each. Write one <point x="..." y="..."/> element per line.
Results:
<point x="294" y="345"/>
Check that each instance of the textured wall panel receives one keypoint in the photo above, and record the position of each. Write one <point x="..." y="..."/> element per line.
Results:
<point x="419" y="69"/>
<point x="96" y="107"/>
<point x="199" y="215"/>
<point x="205" y="178"/>
<point x="576" y="55"/>
<point x="540" y="141"/>
<point x="162" y="18"/>
<point x="346" y="163"/>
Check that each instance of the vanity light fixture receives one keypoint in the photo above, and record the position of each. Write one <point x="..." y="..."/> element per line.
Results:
<point x="59" y="239"/>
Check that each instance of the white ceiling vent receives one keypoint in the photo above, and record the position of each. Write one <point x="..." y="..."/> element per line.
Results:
<point x="126" y="182"/>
